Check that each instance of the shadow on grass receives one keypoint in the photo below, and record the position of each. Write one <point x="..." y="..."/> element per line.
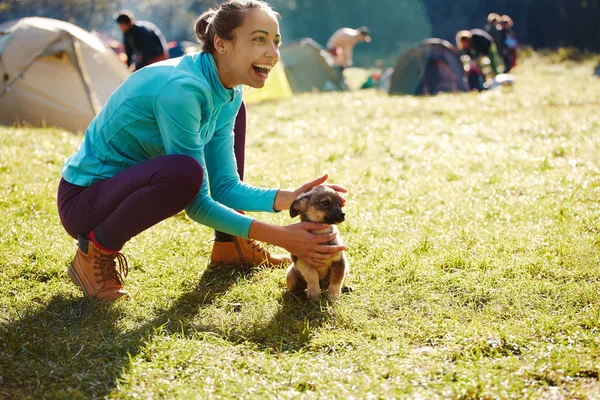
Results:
<point x="77" y="348"/>
<point x="67" y="349"/>
<point x="288" y="330"/>
<point x="291" y="327"/>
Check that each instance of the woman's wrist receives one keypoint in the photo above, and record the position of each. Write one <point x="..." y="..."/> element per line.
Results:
<point x="283" y="200"/>
<point x="264" y="232"/>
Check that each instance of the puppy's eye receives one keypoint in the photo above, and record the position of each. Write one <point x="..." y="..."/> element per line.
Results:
<point x="326" y="203"/>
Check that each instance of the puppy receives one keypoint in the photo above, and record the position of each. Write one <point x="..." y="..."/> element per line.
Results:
<point x="322" y="205"/>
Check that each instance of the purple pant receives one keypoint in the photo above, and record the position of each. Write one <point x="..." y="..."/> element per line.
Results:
<point x="119" y="208"/>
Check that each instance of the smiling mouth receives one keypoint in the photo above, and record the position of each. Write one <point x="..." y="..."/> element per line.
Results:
<point x="263" y="69"/>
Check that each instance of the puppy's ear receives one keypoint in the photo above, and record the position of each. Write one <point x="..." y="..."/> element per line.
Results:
<point x="298" y="206"/>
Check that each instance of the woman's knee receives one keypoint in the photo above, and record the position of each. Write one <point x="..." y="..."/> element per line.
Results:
<point x="70" y="210"/>
<point x="184" y="174"/>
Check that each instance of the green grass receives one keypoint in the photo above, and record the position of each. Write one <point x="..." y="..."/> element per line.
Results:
<point x="473" y="231"/>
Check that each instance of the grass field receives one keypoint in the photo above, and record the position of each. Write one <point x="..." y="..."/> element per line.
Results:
<point x="473" y="231"/>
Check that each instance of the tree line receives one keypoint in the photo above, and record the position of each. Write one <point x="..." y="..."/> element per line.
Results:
<point x="395" y="24"/>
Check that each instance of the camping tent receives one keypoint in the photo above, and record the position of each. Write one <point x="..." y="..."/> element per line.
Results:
<point x="277" y="87"/>
<point x="385" y="80"/>
<point x="431" y="67"/>
<point x="308" y="69"/>
<point x="54" y="73"/>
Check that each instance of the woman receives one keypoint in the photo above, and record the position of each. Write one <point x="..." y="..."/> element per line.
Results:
<point x="166" y="129"/>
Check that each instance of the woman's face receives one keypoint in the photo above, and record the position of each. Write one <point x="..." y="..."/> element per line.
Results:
<point x="254" y="51"/>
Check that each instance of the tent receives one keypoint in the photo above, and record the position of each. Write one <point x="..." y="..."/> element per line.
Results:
<point x="308" y="67"/>
<point x="54" y="73"/>
<point x="431" y="67"/>
<point x="277" y="87"/>
<point x="385" y="80"/>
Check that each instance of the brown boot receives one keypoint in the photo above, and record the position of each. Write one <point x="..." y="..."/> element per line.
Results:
<point x="244" y="253"/>
<point x="96" y="273"/>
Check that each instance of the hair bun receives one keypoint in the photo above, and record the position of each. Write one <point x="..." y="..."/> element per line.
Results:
<point x="202" y="24"/>
<point x="224" y="20"/>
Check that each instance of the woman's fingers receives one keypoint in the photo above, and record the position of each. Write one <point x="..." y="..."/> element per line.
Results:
<point x="320" y="181"/>
<point x="315" y="182"/>
<point x="307" y="226"/>
<point x="312" y="248"/>
<point x="325" y="237"/>
<point x="324" y="251"/>
<point x="320" y="237"/>
<point x="337" y="188"/>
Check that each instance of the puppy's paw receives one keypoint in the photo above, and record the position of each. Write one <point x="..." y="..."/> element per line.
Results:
<point x="333" y="294"/>
<point x="313" y="295"/>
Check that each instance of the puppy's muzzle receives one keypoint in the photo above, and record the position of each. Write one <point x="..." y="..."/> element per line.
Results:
<point x="335" y="218"/>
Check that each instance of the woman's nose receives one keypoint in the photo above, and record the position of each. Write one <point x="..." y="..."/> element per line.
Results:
<point x="273" y="52"/>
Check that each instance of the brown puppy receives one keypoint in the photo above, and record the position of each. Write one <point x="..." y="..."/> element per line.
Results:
<point x="323" y="205"/>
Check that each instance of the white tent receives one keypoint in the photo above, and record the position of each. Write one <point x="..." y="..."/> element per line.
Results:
<point x="54" y="73"/>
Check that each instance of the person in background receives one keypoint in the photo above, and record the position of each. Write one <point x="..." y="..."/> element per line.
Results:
<point x="341" y="46"/>
<point x="477" y="44"/>
<point x="494" y="29"/>
<point x="144" y="43"/>
<point x="493" y="20"/>
<point x="509" y="54"/>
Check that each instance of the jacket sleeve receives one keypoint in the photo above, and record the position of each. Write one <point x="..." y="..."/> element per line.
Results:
<point x="225" y="184"/>
<point x="128" y="50"/>
<point x="178" y="111"/>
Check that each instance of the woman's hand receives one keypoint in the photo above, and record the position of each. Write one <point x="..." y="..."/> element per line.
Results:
<point x="309" y="247"/>
<point x="319" y="181"/>
<point x="285" y="198"/>
<point x="297" y="239"/>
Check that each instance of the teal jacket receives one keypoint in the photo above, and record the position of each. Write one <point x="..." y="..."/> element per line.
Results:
<point x="178" y="106"/>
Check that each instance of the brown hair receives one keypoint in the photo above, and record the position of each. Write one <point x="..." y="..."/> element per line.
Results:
<point x="507" y="20"/>
<point x="225" y="19"/>
<point x="463" y="36"/>
<point x="124" y="17"/>
<point x="493" y="17"/>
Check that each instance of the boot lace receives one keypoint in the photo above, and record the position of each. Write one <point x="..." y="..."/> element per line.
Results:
<point x="112" y="267"/>
<point x="257" y="245"/>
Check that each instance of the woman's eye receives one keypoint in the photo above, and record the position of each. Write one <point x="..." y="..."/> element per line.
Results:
<point x="277" y="43"/>
<point x="260" y="39"/>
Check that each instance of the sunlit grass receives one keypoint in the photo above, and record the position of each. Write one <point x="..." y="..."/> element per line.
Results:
<point x="473" y="236"/>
